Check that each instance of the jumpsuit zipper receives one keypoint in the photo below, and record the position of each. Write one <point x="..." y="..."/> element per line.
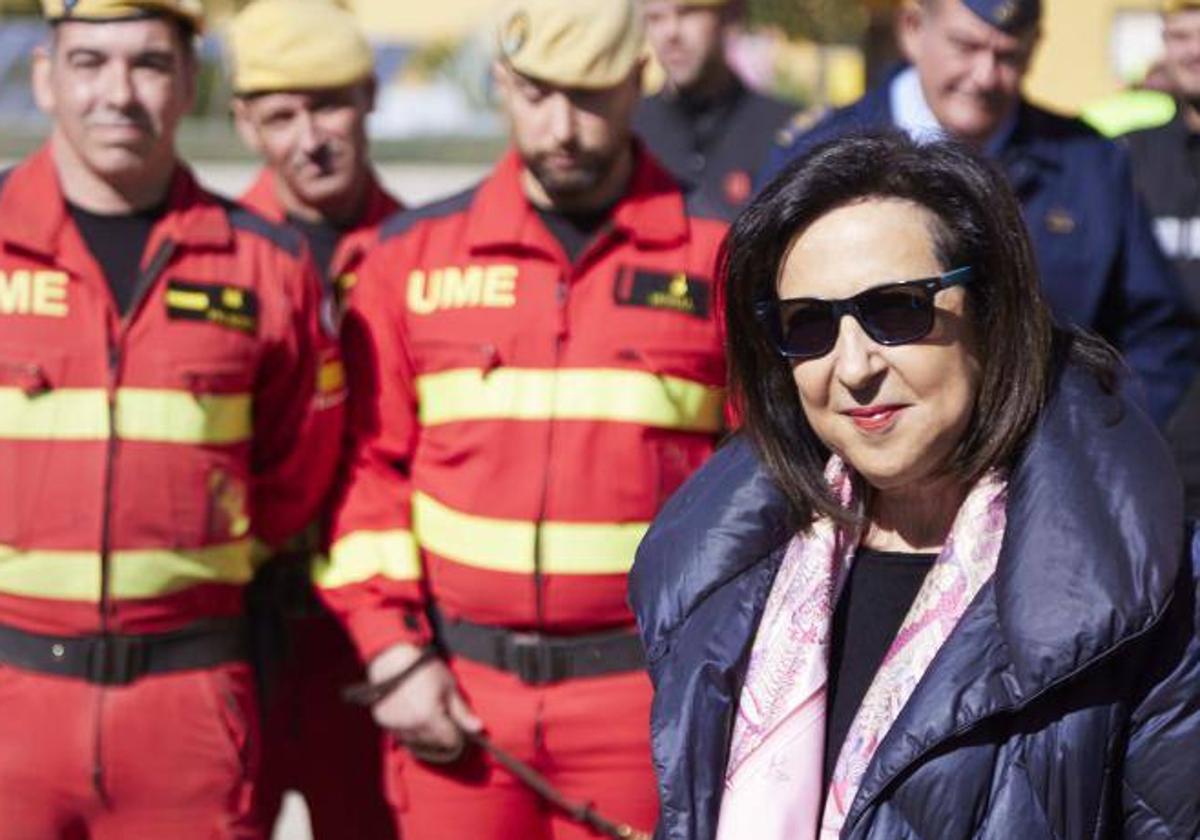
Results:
<point x="114" y="351"/>
<point x="562" y="295"/>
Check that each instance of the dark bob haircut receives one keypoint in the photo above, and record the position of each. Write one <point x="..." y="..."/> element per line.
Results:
<point x="979" y="224"/>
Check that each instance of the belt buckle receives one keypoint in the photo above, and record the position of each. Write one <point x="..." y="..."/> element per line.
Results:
<point x="116" y="660"/>
<point x="532" y="659"/>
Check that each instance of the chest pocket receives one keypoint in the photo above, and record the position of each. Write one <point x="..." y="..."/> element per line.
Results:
<point x="39" y="422"/>
<point x="210" y="424"/>
<point x="1073" y="261"/>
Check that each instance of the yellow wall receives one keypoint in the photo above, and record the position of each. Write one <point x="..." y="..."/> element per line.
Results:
<point x="1073" y="65"/>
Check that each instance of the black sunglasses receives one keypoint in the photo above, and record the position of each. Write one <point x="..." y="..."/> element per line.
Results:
<point x="891" y="314"/>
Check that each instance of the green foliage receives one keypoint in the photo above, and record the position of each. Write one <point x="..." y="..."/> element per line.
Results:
<point x="823" y="21"/>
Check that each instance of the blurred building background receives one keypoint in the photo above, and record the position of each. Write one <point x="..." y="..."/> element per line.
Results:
<point x="433" y="66"/>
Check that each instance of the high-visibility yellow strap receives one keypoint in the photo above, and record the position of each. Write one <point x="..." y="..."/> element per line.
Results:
<point x="630" y="396"/>
<point x="142" y="414"/>
<point x="362" y="555"/>
<point x="509" y="545"/>
<point x="182" y="417"/>
<point x="134" y="573"/>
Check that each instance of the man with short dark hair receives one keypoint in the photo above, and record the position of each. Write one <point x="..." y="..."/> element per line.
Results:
<point x="304" y="83"/>
<point x="166" y="400"/>
<point x="711" y="131"/>
<point x="1100" y="266"/>
<point x="535" y="367"/>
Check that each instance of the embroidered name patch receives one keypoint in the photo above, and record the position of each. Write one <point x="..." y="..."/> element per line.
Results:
<point x="226" y="306"/>
<point x="661" y="290"/>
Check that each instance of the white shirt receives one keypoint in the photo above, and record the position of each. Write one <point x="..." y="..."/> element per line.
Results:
<point x="914" y="117"/>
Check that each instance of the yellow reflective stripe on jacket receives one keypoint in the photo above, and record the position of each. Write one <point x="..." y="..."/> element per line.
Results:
<point x="61" y="414"/>
<point x="142" y="414"/>
<point x="133" y="573"/>
<point x="508" y="545"/>
<point x="362" y="555"/>
<point x="181" y="417"/>
<point x="631" y="396"/>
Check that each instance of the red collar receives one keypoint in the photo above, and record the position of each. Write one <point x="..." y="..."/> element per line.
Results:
<point x="651" y="212"/>
<point x="262" y="198"/>
<point x="35" y="212"/>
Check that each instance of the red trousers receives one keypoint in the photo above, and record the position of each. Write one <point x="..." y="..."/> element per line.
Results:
<point x="317" y="744"/>
<point x="589" y="737"/>
<point x="168" y="756"/>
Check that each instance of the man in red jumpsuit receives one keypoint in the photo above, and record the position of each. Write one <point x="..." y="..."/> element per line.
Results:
<point x="535" y="367"/>
<point x="303" y="77"/>
<point x="166" y="399"/>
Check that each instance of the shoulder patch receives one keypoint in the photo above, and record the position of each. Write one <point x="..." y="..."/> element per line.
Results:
<point x="281" y="236"/>
<point x="800" y="122"/>
<point x="403" y="221"/>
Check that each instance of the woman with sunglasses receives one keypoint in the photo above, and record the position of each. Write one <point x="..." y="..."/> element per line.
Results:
<point x="941" y="585"/>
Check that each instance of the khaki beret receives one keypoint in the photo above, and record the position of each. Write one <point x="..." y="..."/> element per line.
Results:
<point x="1171" y="6"/>
<point x="571" y="43"/>
<point x="190" y="12"/>
<point x="297" y="45"/>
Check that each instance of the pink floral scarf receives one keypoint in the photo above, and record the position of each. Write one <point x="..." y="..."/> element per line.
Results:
<point x="773" y="779"/>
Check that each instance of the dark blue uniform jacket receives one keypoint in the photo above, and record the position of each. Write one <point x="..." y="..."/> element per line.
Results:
<point x="1101" y="266"/>
<point x="1065" y="704"/>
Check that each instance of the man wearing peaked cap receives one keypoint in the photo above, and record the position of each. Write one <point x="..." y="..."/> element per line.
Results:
<point x="303" y="78"/>
<point x="1101" y="268"/>
<point x="710" y="130"/>
<point x="167" y="402"/>
<point x="1166" y="167"/>
<point x="535" y="367"/>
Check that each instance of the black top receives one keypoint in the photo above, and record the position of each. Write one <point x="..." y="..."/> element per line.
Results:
<point x="117" y="243"/>
<point x="1166" y="169"/>
<point x="878" y="592"/>
<point x="574" y="231"/>
<point x="323" y="238"/>
<point x="717" y="145"/>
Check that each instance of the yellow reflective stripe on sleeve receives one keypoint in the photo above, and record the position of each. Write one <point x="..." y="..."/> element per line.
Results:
<point x="630" y="396"/>
<point x="508" y="545"/>
<point x="181" y="417"/>
<point x="134" y="573"/>
<point x="362" y="555"/>
<point x="142" y="414"/>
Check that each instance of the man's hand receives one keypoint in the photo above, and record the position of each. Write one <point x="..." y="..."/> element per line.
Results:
<point x="426" y="712"/>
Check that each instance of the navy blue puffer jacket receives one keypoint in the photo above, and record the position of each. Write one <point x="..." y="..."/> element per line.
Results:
<point x="1065" y="704"/>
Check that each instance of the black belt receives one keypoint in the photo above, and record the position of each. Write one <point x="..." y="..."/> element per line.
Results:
<point x="537" y="658"/>
<point x="119" y="660"/>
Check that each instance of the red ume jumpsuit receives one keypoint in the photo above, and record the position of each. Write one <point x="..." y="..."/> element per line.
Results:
<point x="140" y="457"/>
<point x="518" y="420"/>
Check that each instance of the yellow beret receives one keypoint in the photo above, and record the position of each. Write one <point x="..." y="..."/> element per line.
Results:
<point x="190" y="12"/>
<point x="571" y="43"/>
<point x="297" y="45"/>
<point x="1170" y="6"/>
